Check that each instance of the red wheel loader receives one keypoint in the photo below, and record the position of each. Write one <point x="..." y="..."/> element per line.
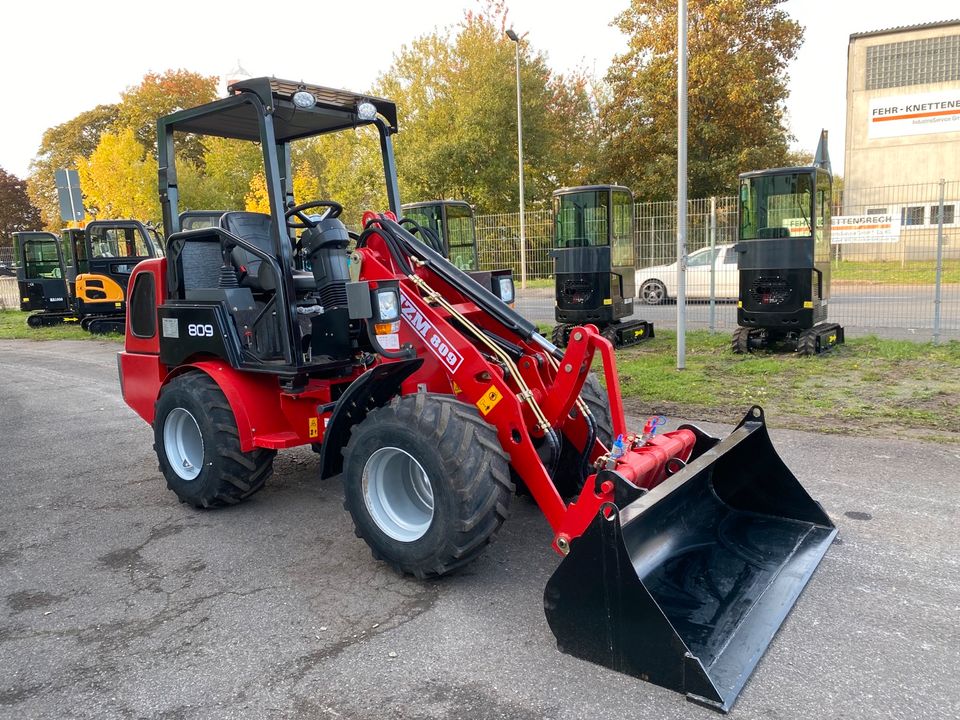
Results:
<point x="432" y="400"/>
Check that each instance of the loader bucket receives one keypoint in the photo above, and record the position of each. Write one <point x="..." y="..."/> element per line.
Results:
<point x="686" y="586"/>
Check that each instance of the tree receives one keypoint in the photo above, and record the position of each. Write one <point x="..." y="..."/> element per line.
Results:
<point x="738" y="52"/>
<point x="119" y="180"/>
<point x="16" y="212"/>
<point x="162" y="94"/>
<point x="222" y="179"/>
<point x="456" y="92"/>
<point x="59" y="146"/>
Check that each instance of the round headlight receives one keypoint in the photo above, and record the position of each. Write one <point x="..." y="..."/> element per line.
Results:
<point x="303" y="99"/>
<point x="388" y="305"/>
<point x="366" y="111"/>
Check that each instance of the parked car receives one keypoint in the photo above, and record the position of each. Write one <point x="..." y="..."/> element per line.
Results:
<point x="658" y="283"/>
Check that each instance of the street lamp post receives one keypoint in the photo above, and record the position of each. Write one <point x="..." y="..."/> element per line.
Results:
<point x="523" y="234"/>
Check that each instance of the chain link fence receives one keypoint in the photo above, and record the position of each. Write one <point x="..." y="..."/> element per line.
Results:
<point x="891" y="286"/>
<point x="904" y="284"/>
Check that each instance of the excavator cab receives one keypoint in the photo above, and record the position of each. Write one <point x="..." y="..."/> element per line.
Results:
<point x="41" y="279"/>
<point x="593" y="263"/>
<point x="448" y="226"/>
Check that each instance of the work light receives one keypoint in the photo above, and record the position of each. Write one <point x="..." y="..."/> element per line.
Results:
<point x="304" y="100"/>
<point x="366" y="111"/>
<point x="506" y="289"/>
<point x="388" y="305"/>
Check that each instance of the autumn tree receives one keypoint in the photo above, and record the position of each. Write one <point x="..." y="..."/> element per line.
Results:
<point x="59" y="147"/>
<point x="119" y="179"/>
<point x="162" y="94"/>
<point x="456" y="92"/>
<point x="738" y="53"/>
<point x="16" y="212"/>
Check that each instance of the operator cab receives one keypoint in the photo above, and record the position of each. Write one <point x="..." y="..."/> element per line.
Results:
<point x="267" y="290"/>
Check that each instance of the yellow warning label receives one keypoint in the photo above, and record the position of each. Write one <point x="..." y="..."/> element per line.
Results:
<point x="489" y="400"/>
<point x="807" y="305"/>
<point x="456" y="388"/>
<point x="739" y="303"/>
<point x="607" y="301"/>
<point x="313" y="428"/>
<point x="118" y="304"/>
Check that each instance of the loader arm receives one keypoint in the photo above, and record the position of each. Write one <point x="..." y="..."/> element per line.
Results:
<point x="683" y="553"/>
<point x="479" y="349"/>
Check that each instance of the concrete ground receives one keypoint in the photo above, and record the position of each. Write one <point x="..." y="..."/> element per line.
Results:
<point x="118" y="602"/>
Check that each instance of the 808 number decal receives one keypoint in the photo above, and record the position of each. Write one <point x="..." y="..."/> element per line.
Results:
<point x="199" y="330"/>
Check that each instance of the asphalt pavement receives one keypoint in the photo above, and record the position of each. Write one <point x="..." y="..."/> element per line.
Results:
<point x="116" y="601"/>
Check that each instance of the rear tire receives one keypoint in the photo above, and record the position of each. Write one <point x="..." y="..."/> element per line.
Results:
<point x="560" y="335"/>
<point x="653" y="292"/>
<point x="807" y="343"/>
<point x="741" y="341"/>
<point x="198" y="445"/>
<point x="426" y="483"/>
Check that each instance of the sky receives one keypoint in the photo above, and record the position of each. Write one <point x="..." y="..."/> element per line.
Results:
<point x="58" y="58"/>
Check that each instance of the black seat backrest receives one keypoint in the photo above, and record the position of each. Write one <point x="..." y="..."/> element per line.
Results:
<point x="255" y="229"/>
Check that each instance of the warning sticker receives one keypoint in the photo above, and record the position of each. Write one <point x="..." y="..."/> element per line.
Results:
<point x="489" y="400"/>
<point x="171" y="329"/>
<point x="313" y="427"/>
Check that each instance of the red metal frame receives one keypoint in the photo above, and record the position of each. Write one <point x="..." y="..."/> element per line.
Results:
<point x="454" y="363"/>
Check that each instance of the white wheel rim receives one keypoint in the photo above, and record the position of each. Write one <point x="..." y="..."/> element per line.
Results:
<point x="183" y="444"/>
<point x="398" y="494"/>
<point x="652" y="293"/>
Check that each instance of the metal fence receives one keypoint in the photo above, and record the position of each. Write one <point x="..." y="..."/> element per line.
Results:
<point x="905" y="287"/>
<point x="891" y="287"/>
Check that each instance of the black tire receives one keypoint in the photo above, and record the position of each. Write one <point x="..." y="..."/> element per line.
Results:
<point x="653" y="292"/>
<point x="741" y="341"/>
<point x="35" y="321"/>
<point x="610" y="333"/>
<point x="462" y="463"/>
<point x="807" y="343"/>
<point x="227" y="474"/>
<point x="560" y="335"/>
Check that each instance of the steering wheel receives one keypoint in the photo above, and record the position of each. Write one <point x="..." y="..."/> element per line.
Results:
<point x="305" y="221"/>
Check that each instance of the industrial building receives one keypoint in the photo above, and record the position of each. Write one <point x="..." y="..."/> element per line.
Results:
<point x="903" y="133"/>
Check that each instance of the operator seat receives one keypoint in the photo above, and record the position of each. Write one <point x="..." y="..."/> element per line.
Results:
<point x="255" y="229"/>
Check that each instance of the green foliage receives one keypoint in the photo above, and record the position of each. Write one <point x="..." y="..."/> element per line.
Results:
<point x="222" y="179"/>
<point x="16" y="212"/>
<point x="13" y="326"/>
<point x="738" y="52"/>
<point x="456" y="90"/>
<point x="119" y="179"/>
<point x="162" y="94"/>
<point x="59" y="147"/>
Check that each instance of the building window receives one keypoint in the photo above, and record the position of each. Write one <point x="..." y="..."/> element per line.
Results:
<point x="912" y="215"/>
<point x="876" y="211"/>
<point x="947" y="214"/>
<point x="913" y="62"/>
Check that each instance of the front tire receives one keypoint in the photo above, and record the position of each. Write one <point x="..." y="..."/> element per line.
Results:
<point x="653" y="292"/>
<point x="198" y="445"/>
<point x="426" y="483"/>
